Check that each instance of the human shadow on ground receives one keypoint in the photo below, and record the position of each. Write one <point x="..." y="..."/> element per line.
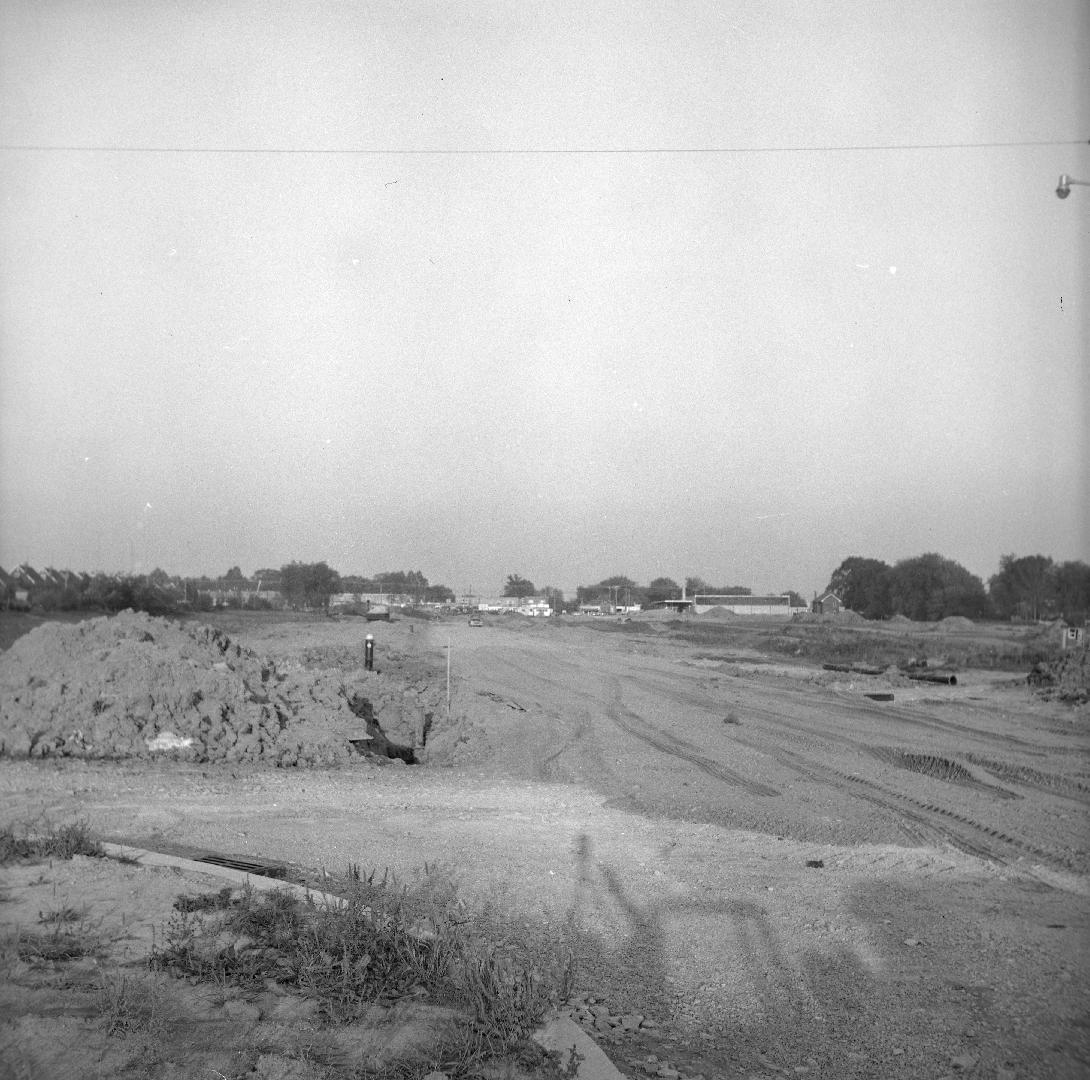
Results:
<point x="756" y="1003"/>
<point x="888" y="976"/>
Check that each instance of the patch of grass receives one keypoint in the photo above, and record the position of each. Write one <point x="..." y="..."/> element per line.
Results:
<point x="212" y="901"/>
<point x="383" y="941"/>
<point x="61" y="842"/>
<point x="59" y="945"/>
<point x="59" y="915"/>
<point x="129" y="1006"/>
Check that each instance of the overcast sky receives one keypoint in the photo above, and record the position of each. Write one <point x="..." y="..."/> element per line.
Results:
<point x="567" y="288"/>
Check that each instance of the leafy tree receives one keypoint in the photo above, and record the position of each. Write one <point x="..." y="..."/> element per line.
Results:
<point x="663" y="588"/>
<point x="234" y="576"/>
<point x="438" y="594"/>
<point x="1073" y="590"/>
<point x="929" y="587"/>
<point x="353" y="583"/>
<point x="518" y="586"/>
<point x="796" y="598"/>
<point x="618" y="587"/>
<point x="1024" y="586"/>
<point x="309" y="585"/>
<point x="618" y="581"/>
<point x="405" y="582"/>
<point x="863" y="586"/>
<point x="555" y="597"/>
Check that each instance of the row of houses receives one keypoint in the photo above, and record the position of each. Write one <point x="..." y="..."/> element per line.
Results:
<point x="16" y="586"/>
<point x="26" y="585"/>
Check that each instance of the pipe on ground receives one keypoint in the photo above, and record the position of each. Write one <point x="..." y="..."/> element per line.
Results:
<point x="936" y="677"/>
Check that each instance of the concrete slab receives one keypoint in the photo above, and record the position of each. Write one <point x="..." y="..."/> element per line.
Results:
<point x="561" y="1034"/>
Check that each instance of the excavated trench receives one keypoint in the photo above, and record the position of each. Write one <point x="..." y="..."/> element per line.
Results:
<point x="378" y="743"/>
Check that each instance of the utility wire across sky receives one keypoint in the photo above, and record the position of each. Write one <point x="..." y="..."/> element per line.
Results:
<point x="875" y="148"/>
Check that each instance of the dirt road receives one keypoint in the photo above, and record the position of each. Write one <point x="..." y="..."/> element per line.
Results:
<point x="791" y="877"/>
<point x="745" y="743"/>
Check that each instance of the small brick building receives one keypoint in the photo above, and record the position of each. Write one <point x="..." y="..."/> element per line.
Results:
<point x="829" y="604"/>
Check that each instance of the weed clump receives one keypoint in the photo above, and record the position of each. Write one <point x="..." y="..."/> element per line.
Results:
<point x="130" y="1006"/>
<point x="58" y="945"/>
<point x="217" y="901"/>
<point x="54" y="843"/>
<point x="378" y="942"/>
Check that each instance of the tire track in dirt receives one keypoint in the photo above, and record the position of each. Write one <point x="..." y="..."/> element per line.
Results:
<point x="526" y="668"/>
<point x="791" y="742"/>
<point x="940" y="768"/>
<point x="633" y="724"/>
<point x="963" y="831"/>
<point x="846" y="704"/>
<point x="904" y="715"/>
<point x="1055" y="784"/>
<point x="805" y="733"/>
<point x="950" y="826"/>
<point x="550" y="767"/>
<point x="923" y="818"/>
<point x="627" y="720"/>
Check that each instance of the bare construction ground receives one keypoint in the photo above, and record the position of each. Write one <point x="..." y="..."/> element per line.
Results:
<point x="782" y="875"/>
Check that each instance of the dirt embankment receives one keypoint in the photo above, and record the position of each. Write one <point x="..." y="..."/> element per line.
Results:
<point x="1066" y="678"/>
<point x="134" y="686"/>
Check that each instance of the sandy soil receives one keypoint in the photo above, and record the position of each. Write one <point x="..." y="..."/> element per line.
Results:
<point x="789" y="877"/>
<point x="104" y="1014"/>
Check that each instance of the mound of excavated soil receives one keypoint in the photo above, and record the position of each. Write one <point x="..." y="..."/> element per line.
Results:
<point x="957" y="622"/>
<point x="133" y="685"/>
<point x="1067" y="678"/>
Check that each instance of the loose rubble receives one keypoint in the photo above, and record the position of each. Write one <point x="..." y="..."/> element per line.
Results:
<point x="133" y="685"/>
<point x="1066" y="678"/>
<point x="595" y="1017"/>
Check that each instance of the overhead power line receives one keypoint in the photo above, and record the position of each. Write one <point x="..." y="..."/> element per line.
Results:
<point x="496" y="152"/>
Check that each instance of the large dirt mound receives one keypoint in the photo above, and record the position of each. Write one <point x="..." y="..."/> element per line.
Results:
<point x="135" y="685"/>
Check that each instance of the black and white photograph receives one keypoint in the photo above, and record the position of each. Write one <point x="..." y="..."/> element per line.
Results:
<point x="544" y="539"/>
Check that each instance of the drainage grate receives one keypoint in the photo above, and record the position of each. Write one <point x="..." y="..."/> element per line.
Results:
<point x="257" y="867"/>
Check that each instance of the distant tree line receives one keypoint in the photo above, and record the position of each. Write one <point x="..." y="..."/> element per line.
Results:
<point x="929" y="587"/>
<point x="302" y="586"/>
<point x="310" y="585"/>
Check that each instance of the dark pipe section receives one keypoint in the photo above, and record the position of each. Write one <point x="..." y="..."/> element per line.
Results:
<point x="935" y="677"/>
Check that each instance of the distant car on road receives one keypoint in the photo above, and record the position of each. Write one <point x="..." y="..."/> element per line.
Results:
<point x="475" y="620"/>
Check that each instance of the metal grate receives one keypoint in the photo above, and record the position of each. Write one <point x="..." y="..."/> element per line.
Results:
<point x="257" y="867"/>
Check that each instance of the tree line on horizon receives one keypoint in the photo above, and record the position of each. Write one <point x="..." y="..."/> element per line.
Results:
<point x="925" y="587"/>
<point x="302" y="586"/>
<point x="928" y="587"/>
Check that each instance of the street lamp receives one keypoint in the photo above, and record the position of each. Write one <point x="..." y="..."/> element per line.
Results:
<point x="1063" y="189"/>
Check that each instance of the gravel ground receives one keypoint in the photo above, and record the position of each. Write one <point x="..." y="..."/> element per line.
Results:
<point x="775" y="874"/>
